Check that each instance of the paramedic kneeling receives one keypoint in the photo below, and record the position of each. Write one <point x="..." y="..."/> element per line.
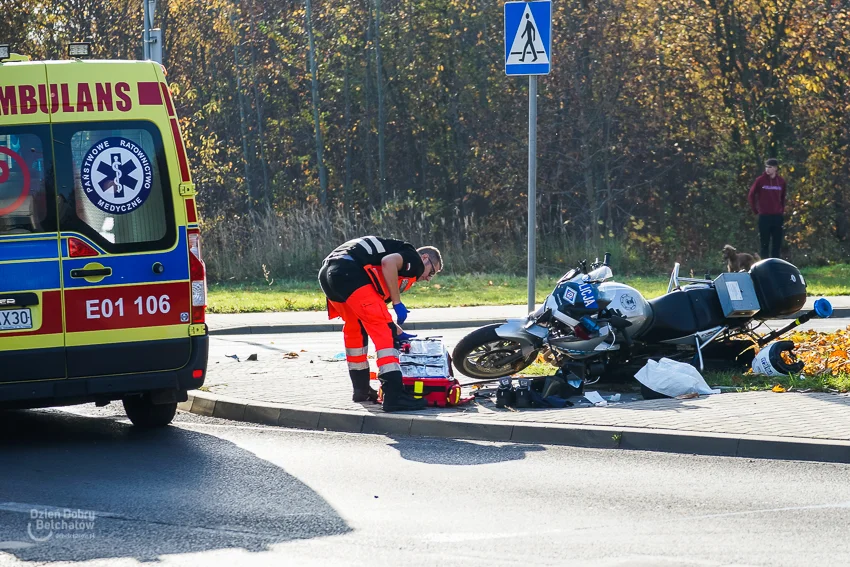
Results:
<point x="358" y="278"/>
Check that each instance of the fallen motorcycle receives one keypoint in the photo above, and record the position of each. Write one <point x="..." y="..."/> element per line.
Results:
<point x="593" y="326"/>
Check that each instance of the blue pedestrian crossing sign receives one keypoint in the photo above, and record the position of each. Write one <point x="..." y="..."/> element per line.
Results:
<point x="528" y="38"/>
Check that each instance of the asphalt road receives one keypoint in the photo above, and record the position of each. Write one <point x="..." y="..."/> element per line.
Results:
<point x="330" y="343"/>
<point x="209" y="492"/>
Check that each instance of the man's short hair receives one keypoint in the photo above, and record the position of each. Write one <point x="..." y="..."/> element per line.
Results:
<point x="433" y="254"/>
<point x="772" y="162"/>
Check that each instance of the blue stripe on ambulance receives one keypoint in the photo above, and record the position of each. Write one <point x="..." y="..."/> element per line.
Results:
<point x="10" y="237"/>
<point x="134" y="268"/>
<point x="28" y="250"/>
<point x="30" y="276"/>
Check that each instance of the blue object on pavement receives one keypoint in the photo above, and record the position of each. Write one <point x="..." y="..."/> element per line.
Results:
<point x="400" y="312"/>
<point x="539" y="401"/>
<point x="823" y="308"/>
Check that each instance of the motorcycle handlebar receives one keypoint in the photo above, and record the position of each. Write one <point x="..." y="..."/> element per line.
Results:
<point x="606" y="261"/>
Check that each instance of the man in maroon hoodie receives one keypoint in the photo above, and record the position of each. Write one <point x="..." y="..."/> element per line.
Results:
<point x="767" y="200"/>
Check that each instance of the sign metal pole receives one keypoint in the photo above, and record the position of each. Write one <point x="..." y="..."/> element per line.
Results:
<point x="146" y="52"/>
<point x="528" y="32"/>
<point x="532" y="188"/>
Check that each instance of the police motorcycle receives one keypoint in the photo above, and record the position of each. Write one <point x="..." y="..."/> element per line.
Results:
<point x="592" y="326"/>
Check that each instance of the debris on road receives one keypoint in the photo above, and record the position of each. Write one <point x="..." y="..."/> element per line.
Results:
<point x="671" y="378"/>
<point x="595" y="399"/>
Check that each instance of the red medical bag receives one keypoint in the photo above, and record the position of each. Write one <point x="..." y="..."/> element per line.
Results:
<point x="426" y="369"/>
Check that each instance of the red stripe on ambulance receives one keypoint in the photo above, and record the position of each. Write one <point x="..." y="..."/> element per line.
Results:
<point x="191" y="213"/>
<point x="181" y="151"/>
<point x="166" y="94"/>
<point x="127" y="307"/>
<point x="149" y="94"/>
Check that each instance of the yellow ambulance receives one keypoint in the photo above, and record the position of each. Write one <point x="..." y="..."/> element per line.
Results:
<point x="102" y="285"/>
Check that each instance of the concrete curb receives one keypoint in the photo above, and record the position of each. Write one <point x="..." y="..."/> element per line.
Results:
<point x="411" y="326"/>
<point x="320" y="327"/>
<point x="446" y="426"/>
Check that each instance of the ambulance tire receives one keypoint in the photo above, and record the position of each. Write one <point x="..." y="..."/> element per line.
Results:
<point x="145" y="414"/>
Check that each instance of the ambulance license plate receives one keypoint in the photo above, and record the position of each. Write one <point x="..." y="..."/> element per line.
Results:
<point x="15" y="319"/>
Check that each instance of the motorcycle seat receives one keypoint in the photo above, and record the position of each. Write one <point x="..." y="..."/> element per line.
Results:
<point x="682" y="313"/>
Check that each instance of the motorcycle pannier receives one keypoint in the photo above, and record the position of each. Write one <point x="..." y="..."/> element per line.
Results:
<point x="780" y="288"/>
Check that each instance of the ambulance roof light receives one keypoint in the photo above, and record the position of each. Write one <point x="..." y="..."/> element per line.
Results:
<point x="79" y="49"/>
<point x="4" y="51"/>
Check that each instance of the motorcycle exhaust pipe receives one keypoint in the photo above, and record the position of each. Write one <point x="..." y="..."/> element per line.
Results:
<point x="822" y="309"/>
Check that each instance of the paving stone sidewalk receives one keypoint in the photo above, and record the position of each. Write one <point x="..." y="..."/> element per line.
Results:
<point x="316" y="381"/>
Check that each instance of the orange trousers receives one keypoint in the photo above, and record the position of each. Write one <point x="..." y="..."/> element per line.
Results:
<point x="366" y="316"/>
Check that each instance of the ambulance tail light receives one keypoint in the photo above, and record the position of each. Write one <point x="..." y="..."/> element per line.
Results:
<point x="79" y="249"/>
<point x="198" y="275"/>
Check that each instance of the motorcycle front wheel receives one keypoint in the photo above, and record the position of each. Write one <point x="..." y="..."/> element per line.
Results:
<point x="484" y="354"/>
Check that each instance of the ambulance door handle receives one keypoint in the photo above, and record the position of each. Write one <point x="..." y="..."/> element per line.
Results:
<point x="158" y="268"/>
<point x="91" y="273"/>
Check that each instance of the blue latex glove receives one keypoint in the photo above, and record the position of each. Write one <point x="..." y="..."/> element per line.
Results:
<point x="400" y="313"/>
<point x="405" y="336"/>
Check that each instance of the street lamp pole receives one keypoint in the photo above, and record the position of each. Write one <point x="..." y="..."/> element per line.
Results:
<point x="146" y="34"/>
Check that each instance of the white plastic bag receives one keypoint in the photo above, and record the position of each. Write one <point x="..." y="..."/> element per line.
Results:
<point x="673" y="378"/>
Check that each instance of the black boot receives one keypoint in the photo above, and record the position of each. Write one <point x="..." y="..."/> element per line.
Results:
<point x="395" y="398"/>
<point x="362" y="391"/>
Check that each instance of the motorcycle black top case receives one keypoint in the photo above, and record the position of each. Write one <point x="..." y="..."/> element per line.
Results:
<point x="780" y="288"/>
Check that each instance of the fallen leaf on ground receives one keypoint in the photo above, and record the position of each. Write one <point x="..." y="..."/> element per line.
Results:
<point x="290" y="355"/>
<point x="823" y="353"/>
<point x="778" y="389"/>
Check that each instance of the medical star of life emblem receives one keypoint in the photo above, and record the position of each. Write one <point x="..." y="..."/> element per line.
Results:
<point x="116" y="175"/>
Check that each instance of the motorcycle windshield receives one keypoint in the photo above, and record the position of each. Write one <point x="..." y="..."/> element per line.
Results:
<point x="600" y="273"/>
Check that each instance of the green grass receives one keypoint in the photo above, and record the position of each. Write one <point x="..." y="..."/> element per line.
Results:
<point x="828" y="280"/>
<point x="443" y="291"/>
<point x="458" y="291"/>
<point x="824" y="383"/>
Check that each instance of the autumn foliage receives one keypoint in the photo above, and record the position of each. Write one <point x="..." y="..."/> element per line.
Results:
<point x="823" y="353"/>
<point x="654" y="122"/>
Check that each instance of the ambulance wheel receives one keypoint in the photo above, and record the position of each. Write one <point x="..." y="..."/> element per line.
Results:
<point x="482" y="354"/>
<point x="144" y="413"/>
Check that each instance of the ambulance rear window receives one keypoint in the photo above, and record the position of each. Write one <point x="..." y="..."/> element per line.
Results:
<point x="121" y="193"/>
<point x="24" y="207"/>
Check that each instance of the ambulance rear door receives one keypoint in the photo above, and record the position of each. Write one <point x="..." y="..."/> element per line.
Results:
<point x="31" y="341"/>
<point x="125" y="266"/>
